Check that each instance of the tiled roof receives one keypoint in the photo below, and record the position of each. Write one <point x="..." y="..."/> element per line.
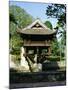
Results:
<point x="44" y="30"/>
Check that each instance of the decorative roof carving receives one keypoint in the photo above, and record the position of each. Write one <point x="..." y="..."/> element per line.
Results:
<point x="38" y="28"/>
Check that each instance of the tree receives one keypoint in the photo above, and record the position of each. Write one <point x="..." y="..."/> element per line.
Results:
<point x="58" y="11"/>
<point x="55" y="45"/>
<point x="12" y="18"/>
<point x="55" y="48"/>
<point x="48" y="24"/>
<point x="22" y="17"/>
<point x="18" y="18"/>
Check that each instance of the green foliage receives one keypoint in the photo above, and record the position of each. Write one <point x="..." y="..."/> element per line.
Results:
<point x="22" y="17"/>
<point x="15" y="58"/>
<point x="57" y="11"/>
<point x="15" y="39"/>
<point x="54" y="58"/>
<point x="12" y="28"/>
<point x="12" y="18"/>
<point x="19" y="18"/>
<point x="55" y="48"/>
<point x="48" y="24"/>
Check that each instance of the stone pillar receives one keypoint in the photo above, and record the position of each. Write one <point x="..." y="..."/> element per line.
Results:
<point x="37" y="66"/>
<point x="25" y="51"/>
<point x="23" y="63"/>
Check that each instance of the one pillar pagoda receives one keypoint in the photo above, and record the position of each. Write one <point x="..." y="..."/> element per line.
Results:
<point x="37" y="38"/>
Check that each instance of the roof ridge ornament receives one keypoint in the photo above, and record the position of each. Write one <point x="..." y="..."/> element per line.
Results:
<point x="40" y="30"/>
<point x="37" y="21"/>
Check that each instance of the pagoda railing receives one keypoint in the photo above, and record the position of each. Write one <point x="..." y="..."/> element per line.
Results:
<point x="37" y="43"/>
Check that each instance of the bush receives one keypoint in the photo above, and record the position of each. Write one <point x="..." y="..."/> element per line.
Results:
<point x="50" y="66"/>
<point x="62" y="58"/>
<point x="15" y="51"/>
<point x="15" y="58"/>
<point x="18" y="58"/>
<point x="54" y="58"/>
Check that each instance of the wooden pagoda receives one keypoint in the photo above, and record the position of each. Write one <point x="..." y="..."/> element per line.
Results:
<point x="37" y="39"/>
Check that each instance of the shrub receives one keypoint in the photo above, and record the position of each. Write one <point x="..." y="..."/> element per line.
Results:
<point x="18" y="58"/>
<point x="54" y="58"/>
<point x="15" y="58"/>
<point x="50" y="66"/>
